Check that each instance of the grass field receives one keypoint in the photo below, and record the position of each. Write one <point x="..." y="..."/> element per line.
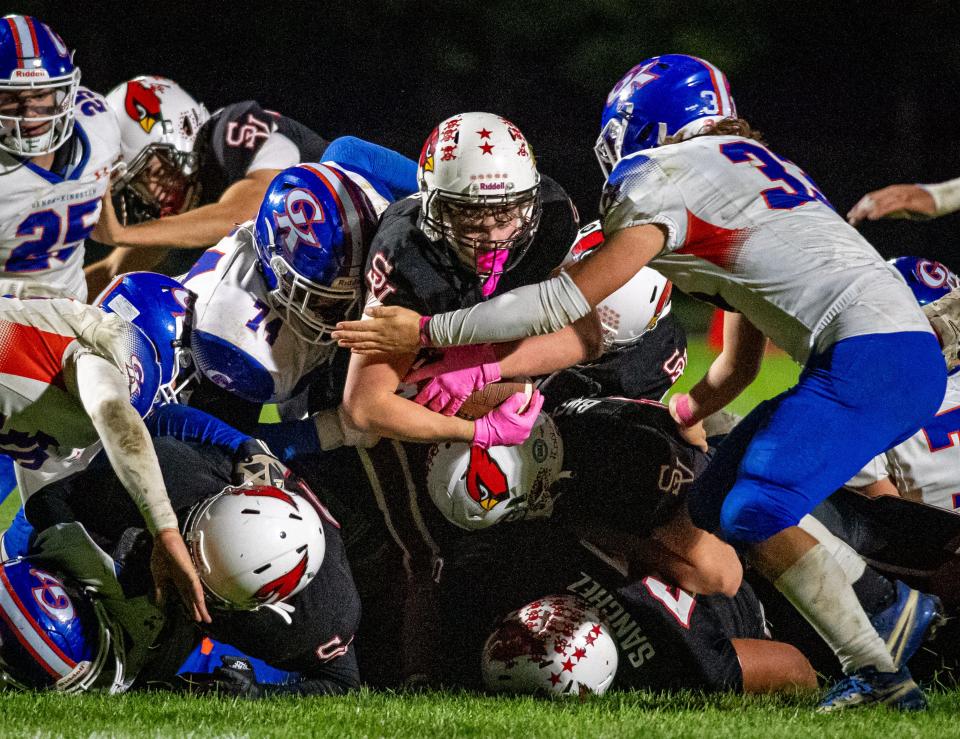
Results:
<point x="459" y="714"/>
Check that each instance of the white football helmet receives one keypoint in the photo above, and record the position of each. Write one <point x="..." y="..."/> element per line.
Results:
<point x="635" y="308"/>
<point x="475" y="488"/>
<point x="477" y="168"/>
<point x="556" y="645"/>
<point x="254" y="545"/>
<point x="159" y="122"/>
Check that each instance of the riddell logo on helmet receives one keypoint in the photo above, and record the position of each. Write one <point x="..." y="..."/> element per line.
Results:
<point x="29" y="74"/>
<point x="486" y="483"/>
<point x="493" y="185"/>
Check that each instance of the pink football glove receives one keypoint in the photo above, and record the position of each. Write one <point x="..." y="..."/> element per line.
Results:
<point x="452" y="379"/>
<point x="507" y="425"/>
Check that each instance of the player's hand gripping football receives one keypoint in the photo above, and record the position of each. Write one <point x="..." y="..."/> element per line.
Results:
<point x="510" y="423"/>
<point x="170" y="564"/>
<point x="895" y="201"/>
<point x="392" y="330"/>
<point x="461" y="371"/>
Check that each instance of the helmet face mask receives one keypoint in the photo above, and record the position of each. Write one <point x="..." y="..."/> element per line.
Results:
<point x="161" y="181"/>
<point x="38" y="88"/>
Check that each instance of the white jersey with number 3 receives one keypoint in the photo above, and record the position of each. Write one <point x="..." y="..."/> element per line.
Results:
<point x="750" y="232"/>
<point x="45" y="217"/>
<point x="926" y="467"/>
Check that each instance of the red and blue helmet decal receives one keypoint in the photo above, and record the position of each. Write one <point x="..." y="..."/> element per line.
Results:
<point x="929" y="280"/>
<point x="31" y="51"/>
<point x="671" y="89"/>
<point x="43" y="636"/>
<point x="318" y="221"/>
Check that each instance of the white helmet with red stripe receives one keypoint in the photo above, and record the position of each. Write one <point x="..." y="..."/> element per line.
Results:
<point x="475" y="488"/>
<point x="52" y="637"/>
<point x="254" y="545"/>
<point x="669" y="95"/>
<point x="479" y="191"/>
<point x="557" y="645"/>
<point x="159" y="122"/>
<point x="628" y="313"/>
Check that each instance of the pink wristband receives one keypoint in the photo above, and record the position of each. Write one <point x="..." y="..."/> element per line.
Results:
<point x="684" y="413"/>
<point x="425" y="331"/>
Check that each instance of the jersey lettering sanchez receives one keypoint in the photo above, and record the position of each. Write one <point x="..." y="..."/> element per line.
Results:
<point x="749" y="231"/>
<point x="925" y="467"/>
<point x="247" y="347"/>
<point x="44" y="216"/>
<point x="43" y="426"/>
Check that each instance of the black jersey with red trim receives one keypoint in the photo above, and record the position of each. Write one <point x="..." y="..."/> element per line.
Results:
<point x="406" y="268"/>
<point x="230" y="140"/>
<point x="667" y="639"/>
<point x="646" y="369"/>
<point x="325" y="615"/>
<point x="629" y="468"/>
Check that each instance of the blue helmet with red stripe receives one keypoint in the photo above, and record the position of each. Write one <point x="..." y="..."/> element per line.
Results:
<point x="160" y="308"/>
<point x="929" y="280"/>
<point x="38" y="87"/>
<point x="52" y="637"/>
<point x="662" y="96"/>
<point x="311" y="236"/>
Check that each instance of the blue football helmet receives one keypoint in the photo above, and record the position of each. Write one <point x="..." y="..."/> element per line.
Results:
<point x="38" y="87"/>
<point x="661" y="96"/>
<point x="929" y="280"/>
<point x="311" y="236"/>
<point x="52" y="637"/>
<point x="160" y="309"/>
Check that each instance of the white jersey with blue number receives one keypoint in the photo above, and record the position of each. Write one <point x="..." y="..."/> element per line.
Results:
<point x="45" y="217"/>
<point x="749" y="231"/>
<point x="926" y="467"/>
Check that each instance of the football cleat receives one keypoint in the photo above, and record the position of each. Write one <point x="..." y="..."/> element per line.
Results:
<point x="909" y="621"/>
<point x="869" y="686"/>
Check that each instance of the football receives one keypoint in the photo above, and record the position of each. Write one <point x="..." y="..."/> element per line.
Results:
<point x="489" y="397"/>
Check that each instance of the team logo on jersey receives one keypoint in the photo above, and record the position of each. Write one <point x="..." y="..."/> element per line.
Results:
<point x="142" y="104"/>
<point x="298" y="222"/>
<point x="486" y="482"/>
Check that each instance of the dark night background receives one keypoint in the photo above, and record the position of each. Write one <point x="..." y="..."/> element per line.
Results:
<point x="859" y="94"/>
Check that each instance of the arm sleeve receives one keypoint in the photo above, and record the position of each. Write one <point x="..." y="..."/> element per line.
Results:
<point x="392" y="174"/>
<point x="530" y="310"/>
<point x="104" y="395"/>
<point x="190" y="424"/>
<point x="946" y="196"/>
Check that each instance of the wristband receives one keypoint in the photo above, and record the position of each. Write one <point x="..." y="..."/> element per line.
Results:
<point x="684" y="414"/>
<point x="425" y="331"/>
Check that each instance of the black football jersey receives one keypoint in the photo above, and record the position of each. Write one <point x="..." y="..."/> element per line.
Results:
<point x="226" y="146"/>
<point x="630" y="470"/>
<point x="325" y="614"/>
<point x="666" y="638"/>
<point x="645" y="369"/>
<point x="406" y="268"/>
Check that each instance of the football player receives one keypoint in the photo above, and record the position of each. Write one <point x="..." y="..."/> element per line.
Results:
<point x="191" y="176"/>
<point x="75" y="378"/>
<point x="58" y="145"/>
<point x="269" y="294"/>
<point x="694" y="192"/>
<point x="485" y="221"/>
<point x="308" y="605"/>
<point x="666" y="638"/>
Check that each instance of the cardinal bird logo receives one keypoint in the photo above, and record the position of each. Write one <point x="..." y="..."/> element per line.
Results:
<point x="486" y="483"/>
<point x="142" y="105"/>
